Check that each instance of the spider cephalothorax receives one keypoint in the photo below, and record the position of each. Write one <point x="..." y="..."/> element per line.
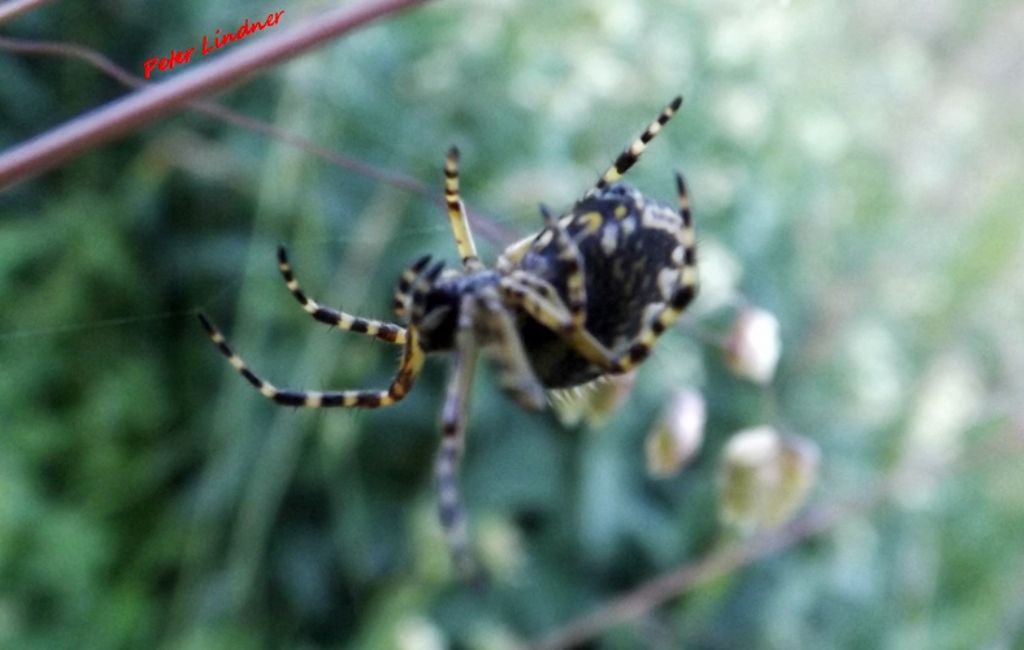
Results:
<point x="587" y="296"/>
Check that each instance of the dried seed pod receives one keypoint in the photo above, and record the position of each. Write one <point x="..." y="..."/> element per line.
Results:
<point x="678" y="436"/>
<point x="765" y="478"/>
<point x="754" y="345"/>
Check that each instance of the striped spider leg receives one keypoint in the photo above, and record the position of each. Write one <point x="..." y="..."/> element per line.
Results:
<point x="405" y="377"/>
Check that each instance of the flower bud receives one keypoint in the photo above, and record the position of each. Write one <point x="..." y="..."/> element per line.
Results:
<point x="678" y="436"/>
<point x="765" y="478"/>
<point x="754" y="346"/>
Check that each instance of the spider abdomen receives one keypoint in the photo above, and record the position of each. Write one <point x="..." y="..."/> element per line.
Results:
<point x="631" y="250"/>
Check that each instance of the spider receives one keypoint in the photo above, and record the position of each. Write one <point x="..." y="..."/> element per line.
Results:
<point x="587" y="296"/>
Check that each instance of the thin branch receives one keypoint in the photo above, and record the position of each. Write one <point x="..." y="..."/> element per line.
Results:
<point x="72" y="51"/>
<point x="14" y="8"/>
<point x="487" y="226"/>
<point x="129" y="113"/>
<point x="111" y="69"/>
<point x="690" y="576"/>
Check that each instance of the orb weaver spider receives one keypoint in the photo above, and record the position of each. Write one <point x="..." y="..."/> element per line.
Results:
<point x="587" y="296"/>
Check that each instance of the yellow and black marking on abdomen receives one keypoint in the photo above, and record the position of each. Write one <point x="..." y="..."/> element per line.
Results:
<point x="638" y="257"/>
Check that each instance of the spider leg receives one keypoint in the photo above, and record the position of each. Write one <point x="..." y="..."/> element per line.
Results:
<point x="632" y="153"/>
<point x="517" y="377"/>
<point x="554" y="315"/>
<point x="408" y="370"/>
<point x="684" y="259"/>
<point x="542" y="287"/>
<point x="569" y="255"/>
<point x="389" y="332"/>
<point x="412" y="362"/>
<point x="514" y="253"/>
<point x="537" y="298"/>
<point x="457" y="212"/>
<point x="403" y="291"/>
<point x="453" y="429"/>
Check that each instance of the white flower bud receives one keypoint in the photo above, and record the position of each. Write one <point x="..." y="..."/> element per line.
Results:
<point x="678" y="436"/>
<point x="754" y="345"/>
<point x="765" y="478"/>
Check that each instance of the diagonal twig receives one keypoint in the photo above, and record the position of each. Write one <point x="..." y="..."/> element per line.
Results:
<point x="14" y="8"/>
<point x="486" y="225"/>
<point x="124" y="115"/>
<point x="217" y="111"/>
<point x="692" y="575"/>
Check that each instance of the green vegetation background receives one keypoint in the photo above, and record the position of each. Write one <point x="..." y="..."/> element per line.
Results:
<point x="855" y="168"/>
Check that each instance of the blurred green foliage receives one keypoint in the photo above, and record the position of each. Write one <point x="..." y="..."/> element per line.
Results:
<point x="855" y="169"/>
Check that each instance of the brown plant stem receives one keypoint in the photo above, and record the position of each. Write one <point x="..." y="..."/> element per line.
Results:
<point x="14" y="8"/>
<point x="486" y="225"/>
<point x="125" y="115"/>
<point x="212" y="109"/>
<point x="670" y="585"/>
